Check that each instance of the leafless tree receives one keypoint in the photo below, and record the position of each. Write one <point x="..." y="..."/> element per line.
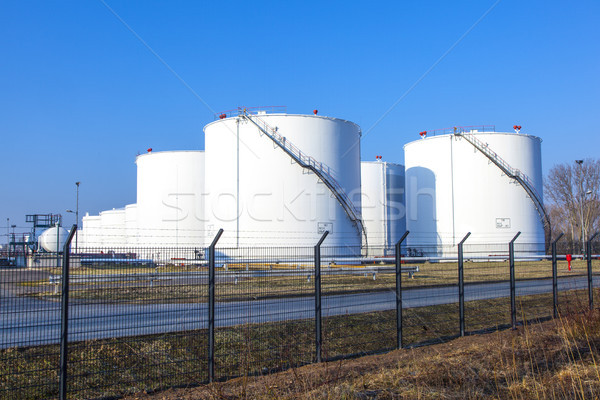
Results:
<point x="572" y="194"/>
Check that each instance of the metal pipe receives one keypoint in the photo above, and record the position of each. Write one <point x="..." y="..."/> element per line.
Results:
<point x="318" y="333"/>
<point x="461" y="285"/>
<point x="555" y="278"/>
<point x="211" y="307"/>
<point x="64" y="320"/>
<point x="399" y="290"/>
<point x="589" y="271"/>
<point x="513" y="305"/>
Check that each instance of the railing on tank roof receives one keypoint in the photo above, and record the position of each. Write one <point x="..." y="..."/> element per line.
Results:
<point x="251" y="110"/>
<point x="461" y="129"/>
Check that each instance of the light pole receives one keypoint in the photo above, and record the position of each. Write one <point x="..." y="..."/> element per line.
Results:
<point x="76" y="214"/>
<point x="582" y="203"/>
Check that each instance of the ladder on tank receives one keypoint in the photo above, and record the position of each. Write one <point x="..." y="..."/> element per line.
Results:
<point x="513" y="173"/>
<point x="320" y="170"/>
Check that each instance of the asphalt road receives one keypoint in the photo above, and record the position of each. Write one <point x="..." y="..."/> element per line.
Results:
<point x="26" y="321"/>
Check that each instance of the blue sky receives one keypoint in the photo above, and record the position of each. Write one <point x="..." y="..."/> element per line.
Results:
<point x="80" y="95"/>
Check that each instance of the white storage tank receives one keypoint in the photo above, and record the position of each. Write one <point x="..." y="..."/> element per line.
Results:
<point x="53" y="238"/>
<point x="131" y="231"/>
<point x="455" y="185"/>
<point x="112" y="225"/>
<point x="261" y="194"/>
<point x="170" y="185"/>
<point x="382" y="202"/>
<point x="91" y="232"/>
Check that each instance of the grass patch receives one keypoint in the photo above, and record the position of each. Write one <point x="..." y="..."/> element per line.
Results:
<point x="233" y="285"/>
<point x="114" y="367"/>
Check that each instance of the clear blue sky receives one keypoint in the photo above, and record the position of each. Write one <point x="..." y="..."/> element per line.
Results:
<point x="80" y="95"/>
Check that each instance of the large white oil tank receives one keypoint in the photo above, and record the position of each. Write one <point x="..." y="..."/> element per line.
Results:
<point x="112" y="223"/>
<point x="170" y="185"/>
<point x="91" y="232"/>
<point x="260" y="194"/>
<point x="53" y="238"/>
<point x="131" y="231"/>
<point x="454" y="185"/>
<point x="382" y="202"/>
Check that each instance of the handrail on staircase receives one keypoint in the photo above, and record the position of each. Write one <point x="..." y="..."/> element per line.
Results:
<point x="309" y="162"/>
<point x="513" y="173"/>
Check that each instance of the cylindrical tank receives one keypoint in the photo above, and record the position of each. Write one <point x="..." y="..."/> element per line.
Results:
<point x="112" y="223"/>
<point x="170" y="185"/>
<point x="91" y="232"/>
<point x="382" y="202"/>
<point x="131" y="231"/>
<point x="260" y="195"/>
<point x="49" y="240"/>
<point x="452" y="188"/>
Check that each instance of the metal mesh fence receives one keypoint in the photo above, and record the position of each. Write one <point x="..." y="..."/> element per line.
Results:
<point x="359" y="301"/>
<point x="139" y="317"/>
<point x="264" y="310"/>
<point x="430" y="299"/>
<point x="29" y="334"/>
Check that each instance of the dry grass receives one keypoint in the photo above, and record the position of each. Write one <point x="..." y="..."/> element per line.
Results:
<point x="553" y="360"/>
<point x="302" y="284"/>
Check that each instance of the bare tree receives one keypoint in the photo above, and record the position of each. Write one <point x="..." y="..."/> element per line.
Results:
<point x="572" y="194"/>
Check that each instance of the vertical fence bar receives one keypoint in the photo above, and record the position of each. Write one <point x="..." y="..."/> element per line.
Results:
<point x="211" y="307"/>
<point x="318" y="332"/>
<point x="513" y="302"/>
<point x="588" y="250"/>
<point x="399" y="290"/>
<point x="64" y="317"/>
<point x="461" y="285"/>
<point x="555" y="278"/>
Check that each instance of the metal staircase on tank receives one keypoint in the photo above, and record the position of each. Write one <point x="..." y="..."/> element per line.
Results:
<point x="513" y="173"/>
<point x="320" y="169"/>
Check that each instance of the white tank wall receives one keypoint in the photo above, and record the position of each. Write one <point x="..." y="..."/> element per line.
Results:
<point x="112" y="224"/>
<point x="91" y="233"/>
<point x="452" y="189"/>
<point x="170" y="185"/>
<point x="277" y="201"/>
<point x="131" y="228"/>
<point x="383" y="208"/>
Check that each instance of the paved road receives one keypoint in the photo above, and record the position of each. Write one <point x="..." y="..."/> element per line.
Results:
<point x="26" y="321"/>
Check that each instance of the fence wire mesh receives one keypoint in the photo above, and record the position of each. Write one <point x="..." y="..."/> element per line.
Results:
<point x="139" y="317"/>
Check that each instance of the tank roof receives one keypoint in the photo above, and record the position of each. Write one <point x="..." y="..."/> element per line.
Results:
<point x="476" y="134"/>
<point x="290" y="115"/>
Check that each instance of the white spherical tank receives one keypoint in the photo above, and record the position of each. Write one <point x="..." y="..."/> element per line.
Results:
<point x="131" y="231"/>
<point x="454" y="186"/>
<point x="112" y="224"/>
<point x="49" y="241"/>
<point x="170" y="185"/>
<point x="261" y="195"/>
<point x="382" y="202"/>
<point x="91" y="232"/>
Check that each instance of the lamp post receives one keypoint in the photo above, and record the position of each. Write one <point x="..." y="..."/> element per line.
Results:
<point x="582" y="203"/>
<point x="76" y="212"/>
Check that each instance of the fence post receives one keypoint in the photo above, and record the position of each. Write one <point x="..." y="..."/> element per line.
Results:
<point x="461" y="285"/>
<point x="399" y="291"/>
<point x="318" y="333"/>
<point x="64" y="317"/>
<point x="555" y="278"/>
<point x="588" y="250"/>
<point x="513" y="303"/>
<point x="211" y="307"/>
